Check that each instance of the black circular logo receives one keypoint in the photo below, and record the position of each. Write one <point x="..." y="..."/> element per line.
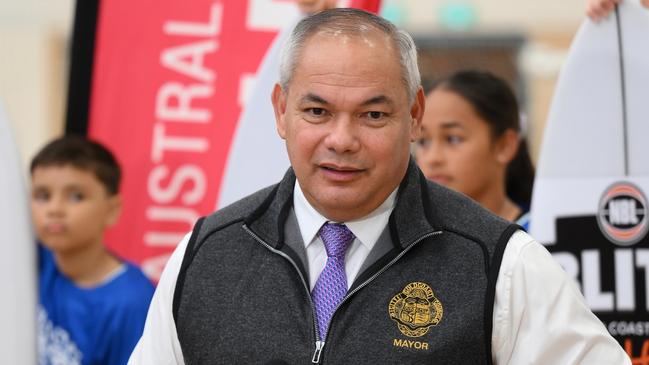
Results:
<point x="622" y="214"/>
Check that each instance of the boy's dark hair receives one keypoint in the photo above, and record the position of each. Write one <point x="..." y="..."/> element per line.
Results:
<point x="82" y="154"/>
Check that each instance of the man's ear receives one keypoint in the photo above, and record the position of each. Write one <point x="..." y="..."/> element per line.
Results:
<point x="279" y="106"/>
<point x="417" y="113"/>
<point x="506" y="146"/>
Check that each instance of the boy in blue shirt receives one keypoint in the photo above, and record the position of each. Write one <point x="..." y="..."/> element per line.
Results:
<point x="92" y="305"/>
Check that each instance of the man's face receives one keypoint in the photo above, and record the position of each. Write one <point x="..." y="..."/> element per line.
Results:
<point x="347" y="123"/>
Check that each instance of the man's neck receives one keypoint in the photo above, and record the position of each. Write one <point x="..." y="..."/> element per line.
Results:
<point x="310" y="220"/>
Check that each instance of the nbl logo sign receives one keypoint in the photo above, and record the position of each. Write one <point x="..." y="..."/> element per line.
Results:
<point x="622" y="214"/>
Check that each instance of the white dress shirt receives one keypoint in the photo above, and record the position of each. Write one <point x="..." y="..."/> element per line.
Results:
<point x="367" y="231"/>
<point x="539" y="316"/>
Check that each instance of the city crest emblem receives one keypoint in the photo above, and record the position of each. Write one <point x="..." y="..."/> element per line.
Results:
<point x="415" y="309"/>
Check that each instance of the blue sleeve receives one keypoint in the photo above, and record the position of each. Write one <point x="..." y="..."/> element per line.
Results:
<point x="129" y="322"/>
<point x="125" y="338"/>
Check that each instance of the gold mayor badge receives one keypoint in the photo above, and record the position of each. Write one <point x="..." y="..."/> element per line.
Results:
<point x="415" y="309"/>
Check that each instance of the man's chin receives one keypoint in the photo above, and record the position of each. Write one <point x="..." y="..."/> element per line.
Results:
<point x="341" y="204"/>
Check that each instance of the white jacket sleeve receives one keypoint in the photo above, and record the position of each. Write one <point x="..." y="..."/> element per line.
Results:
<point x="540" y="317"/>
<point x="159" y="342"/>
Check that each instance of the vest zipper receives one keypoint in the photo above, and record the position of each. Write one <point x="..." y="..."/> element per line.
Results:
<point x="319" y="345"/>
<point x="405" y="250"/>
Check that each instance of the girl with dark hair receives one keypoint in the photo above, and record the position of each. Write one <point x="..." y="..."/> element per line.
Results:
<point x="471" y="142"/>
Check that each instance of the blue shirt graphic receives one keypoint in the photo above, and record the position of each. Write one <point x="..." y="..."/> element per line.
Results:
<point x="90" y="326"/>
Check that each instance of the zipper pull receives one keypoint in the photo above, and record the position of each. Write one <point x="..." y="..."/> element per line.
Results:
<point x="318" y="351"/>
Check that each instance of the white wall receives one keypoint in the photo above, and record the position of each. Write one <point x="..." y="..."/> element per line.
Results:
<point x="33" y="68"/>
<point x="499" y="14"/>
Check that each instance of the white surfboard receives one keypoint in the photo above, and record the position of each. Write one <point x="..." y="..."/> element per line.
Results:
<point x="589" y="203"/>
<point x="17" y="258"/>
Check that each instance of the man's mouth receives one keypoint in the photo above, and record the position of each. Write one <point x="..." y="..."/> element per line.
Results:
<point x="340" y="172"/>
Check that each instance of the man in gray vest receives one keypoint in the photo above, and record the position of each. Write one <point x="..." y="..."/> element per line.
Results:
<point x="354" y="257"/>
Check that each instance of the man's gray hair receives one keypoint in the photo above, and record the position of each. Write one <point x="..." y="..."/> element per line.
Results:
<point x="352" y="22"/>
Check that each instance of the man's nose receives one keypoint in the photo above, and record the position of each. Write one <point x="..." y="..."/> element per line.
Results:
<point x="342" y="136"/>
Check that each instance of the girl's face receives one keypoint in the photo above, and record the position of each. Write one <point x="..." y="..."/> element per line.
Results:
<point x="456" y="148"/>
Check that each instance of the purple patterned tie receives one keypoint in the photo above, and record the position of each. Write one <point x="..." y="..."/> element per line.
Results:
<point x="331" y="287"/>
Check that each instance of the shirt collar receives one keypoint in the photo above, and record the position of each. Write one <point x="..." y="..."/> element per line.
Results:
<point x="367" y="229"/>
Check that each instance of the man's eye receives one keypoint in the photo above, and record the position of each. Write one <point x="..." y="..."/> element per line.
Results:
<point x="375" y="115"/>
<point x="316" y="112"/>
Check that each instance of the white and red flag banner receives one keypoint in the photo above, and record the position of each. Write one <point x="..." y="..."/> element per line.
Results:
<point x="173" y="90"/>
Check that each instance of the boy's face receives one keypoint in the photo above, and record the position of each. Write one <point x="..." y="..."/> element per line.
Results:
<point x="70" y="208"/>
